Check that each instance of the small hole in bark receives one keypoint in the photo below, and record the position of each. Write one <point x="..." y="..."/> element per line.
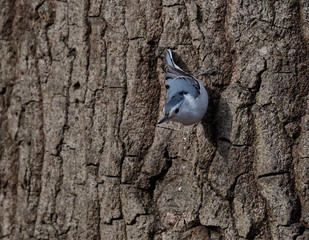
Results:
<point x="72" y="52"/>
<point x="3" y="90"/>
<point x="151" y="43"/>
<point x="76" y="86"/>
<point x="277" y="35"/>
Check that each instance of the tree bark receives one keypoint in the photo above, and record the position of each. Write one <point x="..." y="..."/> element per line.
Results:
<point x="81" y="90"/>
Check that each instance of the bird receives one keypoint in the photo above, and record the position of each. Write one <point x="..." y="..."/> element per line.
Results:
<point x="187" y="98"/>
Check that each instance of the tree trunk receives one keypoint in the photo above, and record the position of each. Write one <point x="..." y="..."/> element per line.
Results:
<point x="82" y="89"/>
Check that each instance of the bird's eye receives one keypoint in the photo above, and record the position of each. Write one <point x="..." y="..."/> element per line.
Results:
<point x="167" y="86"/>
<point x="177" y="110"/>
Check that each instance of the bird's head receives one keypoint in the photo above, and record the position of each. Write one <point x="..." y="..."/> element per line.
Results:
<point x="172" y="109"/>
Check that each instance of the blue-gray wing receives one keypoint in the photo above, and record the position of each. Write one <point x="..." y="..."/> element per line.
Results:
<point x="183" y="85"/>
<point x="177" y="80"/>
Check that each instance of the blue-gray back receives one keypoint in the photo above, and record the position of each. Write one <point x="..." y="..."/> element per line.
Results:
<point x="177" y="80"/>
<point x="183" y="84"/>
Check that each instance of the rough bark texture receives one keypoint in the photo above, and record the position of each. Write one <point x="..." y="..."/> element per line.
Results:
<point x="82" y="89"/>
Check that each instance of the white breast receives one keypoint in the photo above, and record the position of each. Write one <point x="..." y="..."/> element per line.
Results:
<point x="193" y="109"/>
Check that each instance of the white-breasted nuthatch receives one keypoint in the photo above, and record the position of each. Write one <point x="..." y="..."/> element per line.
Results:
<point x="187" y="98"/>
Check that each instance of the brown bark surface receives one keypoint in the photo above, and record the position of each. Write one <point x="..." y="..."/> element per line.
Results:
<point x="81" y="90"/>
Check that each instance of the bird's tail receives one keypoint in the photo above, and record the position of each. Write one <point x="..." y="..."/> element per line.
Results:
<point x="169" y="59"/>
<point x="170" y="67"/>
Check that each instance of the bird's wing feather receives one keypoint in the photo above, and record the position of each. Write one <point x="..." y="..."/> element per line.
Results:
<point x="177" y="80"/>
<point x="182" y="85"/>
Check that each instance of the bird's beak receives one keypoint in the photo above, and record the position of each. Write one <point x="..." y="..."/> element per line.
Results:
<point x="163" y="120"/>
